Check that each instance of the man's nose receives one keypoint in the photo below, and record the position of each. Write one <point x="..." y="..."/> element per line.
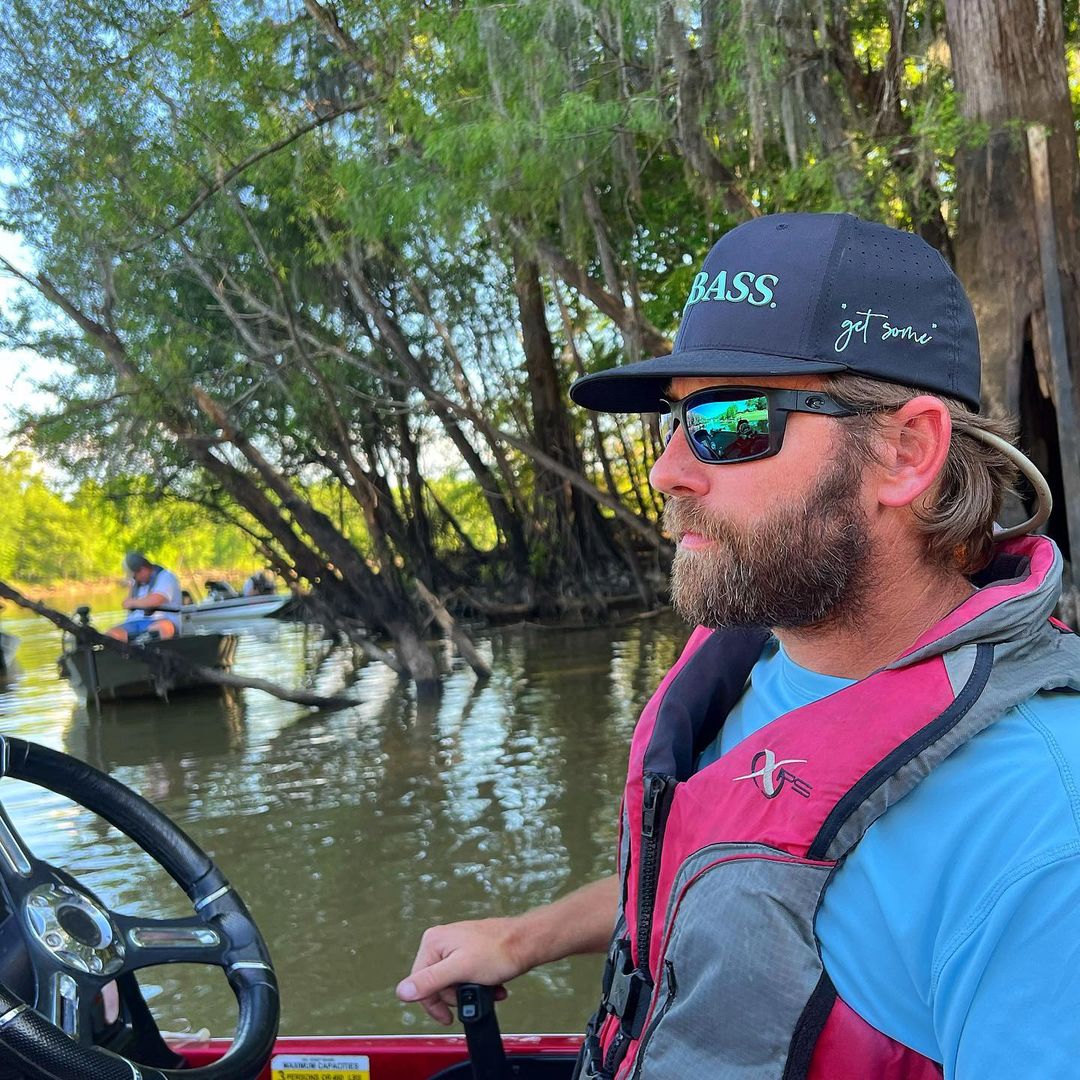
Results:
<point x="676" y="471"/>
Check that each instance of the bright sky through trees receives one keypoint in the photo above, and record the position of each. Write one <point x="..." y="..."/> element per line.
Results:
<point x="18" y="370"/>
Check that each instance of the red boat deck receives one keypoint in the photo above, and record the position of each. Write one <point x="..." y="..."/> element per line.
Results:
<point x="389" y="1057"/>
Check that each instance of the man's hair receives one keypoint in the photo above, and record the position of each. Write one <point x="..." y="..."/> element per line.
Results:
<point x="957" y="518"/>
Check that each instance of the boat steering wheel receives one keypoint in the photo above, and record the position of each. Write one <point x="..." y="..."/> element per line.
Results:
<point x="76" y="946"/>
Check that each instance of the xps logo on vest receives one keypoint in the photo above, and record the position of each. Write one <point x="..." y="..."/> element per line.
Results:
<point x="770" y="775"/>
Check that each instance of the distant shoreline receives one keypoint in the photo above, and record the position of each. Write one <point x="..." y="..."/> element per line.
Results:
<point x="42" y="591"/>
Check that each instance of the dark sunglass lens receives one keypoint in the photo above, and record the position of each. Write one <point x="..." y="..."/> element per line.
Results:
<point x="729" y="430"/>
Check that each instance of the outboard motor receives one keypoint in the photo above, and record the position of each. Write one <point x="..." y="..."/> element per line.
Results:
<point x="69" y="641"/>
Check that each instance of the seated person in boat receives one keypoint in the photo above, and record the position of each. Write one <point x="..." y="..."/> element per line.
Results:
<point x="152" y="587"/>
<point x="261" y="583"/>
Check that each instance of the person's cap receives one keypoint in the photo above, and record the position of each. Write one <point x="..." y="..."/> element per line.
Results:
<point x="803" y="294"/>
<point x="135" y="560"/>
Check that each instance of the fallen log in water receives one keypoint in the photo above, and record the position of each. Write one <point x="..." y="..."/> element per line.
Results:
<point x="166" y="665"/>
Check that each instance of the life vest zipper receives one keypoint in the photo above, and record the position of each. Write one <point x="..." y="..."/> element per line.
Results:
<point x="613" y="1058"/>
<point x="653" y="811"/>
<point x="654" y="805"/>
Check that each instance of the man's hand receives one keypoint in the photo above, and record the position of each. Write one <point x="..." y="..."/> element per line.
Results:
<point x="493" y="951"/>
<point x="485" y="951"/>
<point x="139" y="603"/>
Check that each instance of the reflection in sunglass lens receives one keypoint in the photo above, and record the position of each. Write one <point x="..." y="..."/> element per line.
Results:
<point x="729" y="430"/>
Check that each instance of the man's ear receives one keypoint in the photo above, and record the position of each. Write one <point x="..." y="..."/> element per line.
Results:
<point x="914" y="444"/>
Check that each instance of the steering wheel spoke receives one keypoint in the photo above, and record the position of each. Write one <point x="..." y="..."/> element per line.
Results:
<point x="20" y="870"/>
<point x="67" y="1001"/>
<point x="150" y="942"/>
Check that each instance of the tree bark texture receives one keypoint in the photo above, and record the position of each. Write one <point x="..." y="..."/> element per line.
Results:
<point x="1009" y="65"/>
<point x="576" y="524"/>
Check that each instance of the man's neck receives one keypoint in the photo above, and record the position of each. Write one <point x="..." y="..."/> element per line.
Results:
<point x="892" y="616"/>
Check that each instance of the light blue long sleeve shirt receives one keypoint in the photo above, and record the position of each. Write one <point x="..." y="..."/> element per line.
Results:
<point x="954" y="926"/>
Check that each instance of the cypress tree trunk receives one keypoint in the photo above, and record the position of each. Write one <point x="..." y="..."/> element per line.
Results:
<point x="574" y="524"/>
<point x="395" y="340"/>
<point x="1009" y="62"/>
<point x="253" y="499"/>
<point x="419" y="523"/>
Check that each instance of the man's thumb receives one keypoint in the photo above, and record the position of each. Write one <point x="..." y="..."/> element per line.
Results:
<point x="427" y="981"/>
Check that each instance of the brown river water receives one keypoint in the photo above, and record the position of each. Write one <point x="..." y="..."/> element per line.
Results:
<point x="349" y="833"/>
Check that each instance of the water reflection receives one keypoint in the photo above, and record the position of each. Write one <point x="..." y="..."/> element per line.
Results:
<point x="116" y="736"/>
<point x="348" y="833"/>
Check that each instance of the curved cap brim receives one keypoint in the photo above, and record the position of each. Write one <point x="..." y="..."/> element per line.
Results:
<point x="640" y="387"/>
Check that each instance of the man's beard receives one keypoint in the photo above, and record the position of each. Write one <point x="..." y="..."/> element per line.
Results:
<point x="802" y="565"/>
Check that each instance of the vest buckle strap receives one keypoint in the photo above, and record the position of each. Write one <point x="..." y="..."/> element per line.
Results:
<point x="629" y="990"/>
<point x="591" y="1061"/>
<point x="613" y="962"/>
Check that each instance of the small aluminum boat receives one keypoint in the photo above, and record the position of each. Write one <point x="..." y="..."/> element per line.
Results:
<point x="99" y="674"/>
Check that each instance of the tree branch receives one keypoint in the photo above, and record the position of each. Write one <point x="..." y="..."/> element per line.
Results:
<point x="626" y="319"/>
<point x="229" y="175"/>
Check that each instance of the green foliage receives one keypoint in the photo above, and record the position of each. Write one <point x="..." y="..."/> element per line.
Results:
<point x="214" y="186"/>
<point x="47" y="537"/>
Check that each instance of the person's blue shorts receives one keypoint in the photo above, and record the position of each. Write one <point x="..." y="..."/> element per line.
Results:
<point x="136" y="624"/>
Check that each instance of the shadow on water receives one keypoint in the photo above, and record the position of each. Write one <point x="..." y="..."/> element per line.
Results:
<point x="348" y="833"/>
<point x="117" y="735"/>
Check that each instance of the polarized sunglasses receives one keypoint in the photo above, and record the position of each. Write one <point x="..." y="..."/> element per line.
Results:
<point x="725" y="424"/>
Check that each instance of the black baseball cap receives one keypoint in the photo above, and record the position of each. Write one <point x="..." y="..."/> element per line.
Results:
<point x="800" y="294"/>
<point x="135" y="560"/>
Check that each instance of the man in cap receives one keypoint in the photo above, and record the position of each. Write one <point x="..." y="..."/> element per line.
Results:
<point x="850" y="841"/>
<point x="154" y="600"/>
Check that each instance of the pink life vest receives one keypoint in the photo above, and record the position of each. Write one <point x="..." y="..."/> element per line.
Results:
<point x="714" y="968"/>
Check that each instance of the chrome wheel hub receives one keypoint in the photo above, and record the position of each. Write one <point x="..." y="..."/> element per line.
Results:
<point x="76" y="930"/>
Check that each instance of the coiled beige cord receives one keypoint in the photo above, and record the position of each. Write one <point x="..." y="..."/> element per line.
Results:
<point x="1044" y="500"/>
